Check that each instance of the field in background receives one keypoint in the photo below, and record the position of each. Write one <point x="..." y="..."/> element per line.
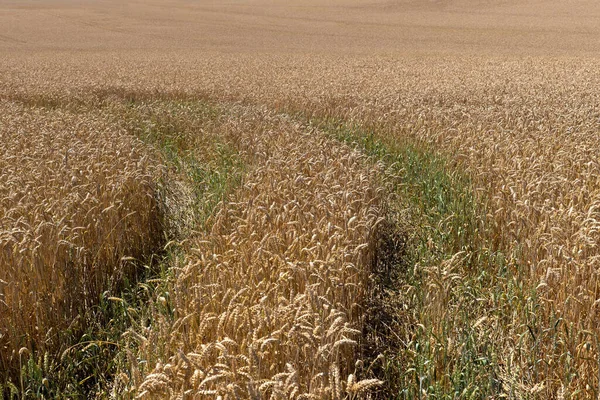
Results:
<point x="479" y="120"/>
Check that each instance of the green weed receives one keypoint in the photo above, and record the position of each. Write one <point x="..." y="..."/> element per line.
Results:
<point x="442" y="310"/>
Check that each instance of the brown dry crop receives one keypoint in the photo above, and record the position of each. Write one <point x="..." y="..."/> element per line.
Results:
<point x="268" y="302"/>
<point x="507" y="91"/>
<point x="78" y="195"/>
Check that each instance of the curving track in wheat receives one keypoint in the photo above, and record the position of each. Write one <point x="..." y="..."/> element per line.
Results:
<point x="269" y="300"/>
<point x="507" y="91"/>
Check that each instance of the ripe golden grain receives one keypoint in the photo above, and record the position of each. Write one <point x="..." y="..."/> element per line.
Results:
<point x="77" y="196"/>
<point x="276" y="274"/>
<point x="525" y="128"/>
<point x="525" y="134"/>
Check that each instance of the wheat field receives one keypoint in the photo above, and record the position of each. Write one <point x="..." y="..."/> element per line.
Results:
<point x="269" y="299"/>
<point x="132" y="128"/>
<point x="78" y="195"/>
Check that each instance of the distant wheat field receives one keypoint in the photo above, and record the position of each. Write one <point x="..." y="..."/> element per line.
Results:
<point x="272" y="141"/>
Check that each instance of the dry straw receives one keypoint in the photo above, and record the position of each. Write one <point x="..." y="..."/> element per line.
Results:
<point x="524" y="129"/>
<point x="268" y="304"/>
<point x="77" y="196"/>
